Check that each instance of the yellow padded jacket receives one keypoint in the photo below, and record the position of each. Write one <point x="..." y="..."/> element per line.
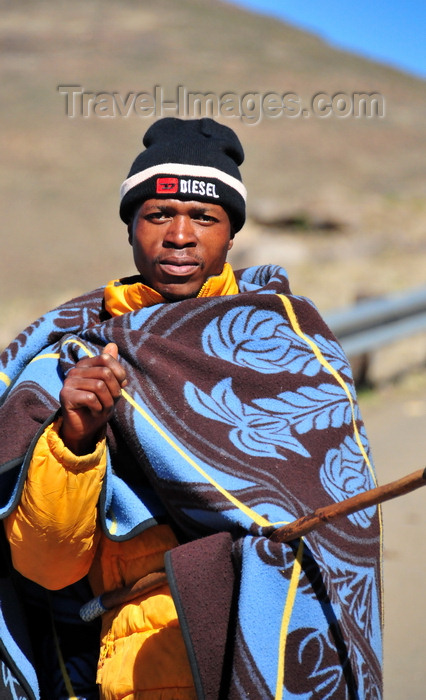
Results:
<point x="55" y="540"/>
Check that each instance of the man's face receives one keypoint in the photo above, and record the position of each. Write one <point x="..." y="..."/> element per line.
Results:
<point x="178" y="245"/>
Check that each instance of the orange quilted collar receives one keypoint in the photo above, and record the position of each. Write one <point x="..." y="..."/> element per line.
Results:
<point x="121" y="298"/>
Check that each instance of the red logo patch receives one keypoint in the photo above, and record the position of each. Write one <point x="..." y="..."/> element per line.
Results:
<point x="169" y="185"/>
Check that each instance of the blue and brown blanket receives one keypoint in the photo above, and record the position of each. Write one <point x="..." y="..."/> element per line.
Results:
<point x="240" y="414"/>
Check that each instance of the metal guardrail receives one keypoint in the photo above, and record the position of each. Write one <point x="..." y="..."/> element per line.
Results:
<point x="373" y="323"/>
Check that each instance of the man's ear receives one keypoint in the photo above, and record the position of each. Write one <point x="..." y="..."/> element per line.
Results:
<point x="231" y="243"/>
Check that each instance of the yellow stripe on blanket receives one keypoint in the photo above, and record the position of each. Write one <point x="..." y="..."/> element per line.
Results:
<point x="318" y="354"/>
<point x="46" y="356"/>
<point x="296" y="327"/>
<point x="285" y="622"/>
<point x="4" y="378"/>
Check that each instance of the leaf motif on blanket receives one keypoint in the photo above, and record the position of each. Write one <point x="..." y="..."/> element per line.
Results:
<point x="355" y="587"/>
<point x="255" y="432"/>
<point x="308" y="408"/>
<point x="356" y="590"/>
<point x="265" y="342"/>
<point x="317" y="672"/>
<point x="11" y="684"/>
<point x="344" y="474"/>
<point x="261" y="340"/>
<point x="334" y="354"/>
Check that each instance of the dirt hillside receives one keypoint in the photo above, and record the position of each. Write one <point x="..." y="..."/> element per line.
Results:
<point x="336" y="198"/>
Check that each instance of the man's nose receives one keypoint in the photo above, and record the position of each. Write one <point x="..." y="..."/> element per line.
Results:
<point x="180" y="232"/>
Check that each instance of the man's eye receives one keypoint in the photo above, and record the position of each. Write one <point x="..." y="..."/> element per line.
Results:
<point x="156" y="215"/>
<point x="204" y="217"/>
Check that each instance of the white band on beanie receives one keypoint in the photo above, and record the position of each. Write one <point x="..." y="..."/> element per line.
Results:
<point x="182" y="170"/>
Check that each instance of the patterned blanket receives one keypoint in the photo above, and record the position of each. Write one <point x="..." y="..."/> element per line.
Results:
<point x="239" y="414"/>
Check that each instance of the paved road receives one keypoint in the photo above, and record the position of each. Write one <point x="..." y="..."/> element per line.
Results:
<point x="396" y="425"/>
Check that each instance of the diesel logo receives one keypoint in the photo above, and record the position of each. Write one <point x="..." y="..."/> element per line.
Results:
<point x="167" y="185"/>
<point x="198" y="187"/>
<point x="172" y="185"/>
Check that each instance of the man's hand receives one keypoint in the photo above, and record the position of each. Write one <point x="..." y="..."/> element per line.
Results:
<point x="90" y="392"/>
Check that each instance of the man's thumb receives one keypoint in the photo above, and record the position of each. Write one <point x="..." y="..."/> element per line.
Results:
<point x="111" y="349"/>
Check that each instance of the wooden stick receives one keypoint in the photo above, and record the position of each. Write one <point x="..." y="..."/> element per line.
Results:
<point x="322" y="516"/>
<point x="112" y="599"/>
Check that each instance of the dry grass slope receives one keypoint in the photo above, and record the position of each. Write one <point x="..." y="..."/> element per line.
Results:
<point x="343" y="197"/>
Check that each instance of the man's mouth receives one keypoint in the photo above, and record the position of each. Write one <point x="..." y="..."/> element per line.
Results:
<point x="179" y="266"/>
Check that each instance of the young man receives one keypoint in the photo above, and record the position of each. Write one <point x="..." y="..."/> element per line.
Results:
<point x="173" y="420"/>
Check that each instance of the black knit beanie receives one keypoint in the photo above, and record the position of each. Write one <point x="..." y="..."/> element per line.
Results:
<point x="193" y="159"/>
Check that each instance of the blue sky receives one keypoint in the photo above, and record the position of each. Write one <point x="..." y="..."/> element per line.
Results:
<point x="391" y="32"/>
